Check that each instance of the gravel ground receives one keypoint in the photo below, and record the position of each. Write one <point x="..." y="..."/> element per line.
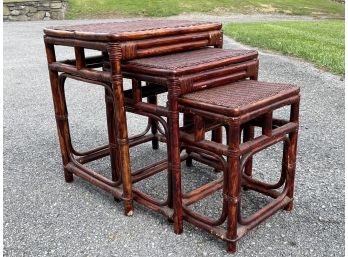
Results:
<point x="44" y="216"/>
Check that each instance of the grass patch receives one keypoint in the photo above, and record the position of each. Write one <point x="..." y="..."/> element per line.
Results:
<point x="160" y="8"/>
<point x="321" y="42"/>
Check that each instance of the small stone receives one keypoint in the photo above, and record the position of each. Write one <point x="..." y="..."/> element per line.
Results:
<point x="5" y="11"/>
<point x="25" y="10"/>
<point x="15" y="12"/>
<point x="32" y="9"/>
<point x="57" y="15"/>
<point x="43" y="8"/>
<point x="22" y="18"/>
<point x="47" y="14"/>
<point x="56" y="5"/>
<point x="18" y="18"/>
<point x="46" y="4"/>
<point x="46" y="18"/>
<point x="39" y="15"/>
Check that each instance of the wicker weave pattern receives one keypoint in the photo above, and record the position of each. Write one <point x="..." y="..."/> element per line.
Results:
<point x="193" y="58"/>
<point x="129" y="26"/>
<point x="240" y="94"/>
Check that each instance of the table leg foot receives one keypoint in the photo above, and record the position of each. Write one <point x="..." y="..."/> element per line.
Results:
<point x="232" y="247"/>
<point x="189" y="162"/>
<point x="155" y="144"/>
<point x="289" y="206"/>
<point x="128" y="208"/>
<point x="69" y="177"/>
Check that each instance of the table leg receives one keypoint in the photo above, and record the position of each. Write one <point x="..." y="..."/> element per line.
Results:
<point x="114" y="153"/>
<point x="115" y="55"/>
<point x="188" y="120"/>
<point x="293" y="136"/>
<point x="216" y="136"/>
<point x="60" y="112"/>
<point x="152" y="99"/>
<point x="174" y="166"/>
<point x="248" y="135"/>
<point x="233" y="185"/>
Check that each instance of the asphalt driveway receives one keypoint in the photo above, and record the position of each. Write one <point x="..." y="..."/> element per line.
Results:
<point x="44" y="216"/>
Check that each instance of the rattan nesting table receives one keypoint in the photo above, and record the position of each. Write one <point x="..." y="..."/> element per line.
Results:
<point x="120" y="41"/>
<point x="212" y="87"/>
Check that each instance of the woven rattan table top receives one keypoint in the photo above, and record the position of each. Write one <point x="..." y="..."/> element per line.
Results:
<point x="130" y="30"/>
<point x="240" y="97"/>
<point x="185" y="62"/>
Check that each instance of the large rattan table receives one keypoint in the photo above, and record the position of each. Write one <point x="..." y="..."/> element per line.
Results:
<point x="117" y="43"/>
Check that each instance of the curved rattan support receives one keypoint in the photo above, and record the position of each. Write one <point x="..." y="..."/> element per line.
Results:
<point x="251" y="221"/>
<point x="151" y="115"/>
<point x="153" y="202"/>
<point x="115" y="191"/>
<point x="205" y="219"/>
<point x="137" y="175"/>
<point x="204" y="151"/>
<point x="103" y="150"/>
<point x="160" y="130"/>
<point x="94" y="174"/>
<point x="271" y="207"/>
<point x="206" y="190"/>
<point x="163" y="123"/>
<point x="141" y="134"/>
<point x="266" y="188"/>
<point x="249" y="155"/>
<point x="62" y="79"/>
<point x="150" y="199"/>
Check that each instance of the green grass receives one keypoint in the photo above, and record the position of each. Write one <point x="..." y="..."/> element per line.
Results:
<point x="158" y="8"/>
<point x="321" y="42"/>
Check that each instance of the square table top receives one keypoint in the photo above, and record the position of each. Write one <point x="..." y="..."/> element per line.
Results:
<point x="130" y="30"/>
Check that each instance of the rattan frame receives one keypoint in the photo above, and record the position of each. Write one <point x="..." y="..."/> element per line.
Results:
<point x="118" y="48"/>
<point x="237" y="170"/>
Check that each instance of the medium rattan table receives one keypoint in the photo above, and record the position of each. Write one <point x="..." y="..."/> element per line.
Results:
<point x="118" y="42"/>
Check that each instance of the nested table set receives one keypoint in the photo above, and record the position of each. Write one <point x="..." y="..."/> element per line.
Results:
<point x="216" y="90"/>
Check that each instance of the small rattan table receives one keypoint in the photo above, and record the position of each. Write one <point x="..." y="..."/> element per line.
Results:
<point x="119" y="41"/>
